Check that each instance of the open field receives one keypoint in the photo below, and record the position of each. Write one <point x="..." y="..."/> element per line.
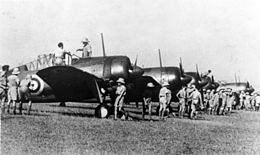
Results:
<point x="73" y="130"/>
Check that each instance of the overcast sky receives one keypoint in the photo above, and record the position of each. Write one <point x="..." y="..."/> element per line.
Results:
<point x="222" y="35"/>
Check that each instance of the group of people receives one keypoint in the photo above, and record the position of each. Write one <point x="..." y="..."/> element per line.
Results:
<point x="60" y="53"/>
<point x="14" y="90"/>
<point x="249" y="102"/>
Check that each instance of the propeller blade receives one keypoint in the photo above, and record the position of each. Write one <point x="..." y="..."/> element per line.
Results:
<point x="160" y="58"/>
<point x="181" y="69"/>
<point x="135" y="64"/>
<point x="199" y="76"/>
<point x="103" y="46"/>
<point x="212" y="79"/>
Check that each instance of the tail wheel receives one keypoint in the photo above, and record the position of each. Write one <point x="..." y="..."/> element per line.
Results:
<point x="102" y="111"/>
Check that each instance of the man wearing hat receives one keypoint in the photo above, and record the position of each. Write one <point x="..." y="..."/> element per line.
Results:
<point x="120" y="93"/>
<point x="182" y="96"/>
<point x="86" y="50"/>
<point x="25" y="94"/>
<point x="3" y="88"/>
<point x="59" y="54"/>
<point x="147" y="97"/>
<point x="196" y="99"/>
<point x="13" y="83"/>
<point x="164" y="96"/>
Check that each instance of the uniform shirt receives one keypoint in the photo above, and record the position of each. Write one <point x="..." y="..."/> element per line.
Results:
<point x="230" y="101"/>
<point x="164" y="92"/>
<point x="59" y="53"/>
<point x="195" y="95"/>
<point x="248" y="97"/>
<point x="86" y="51"/>
<point x="242" y="97"/>
<point x="121" y="90"/>
<point x="182" y="94"/>
<point x="257" y="99"/>
<point x="207" y="97"/>
<point x="13" y="81"/>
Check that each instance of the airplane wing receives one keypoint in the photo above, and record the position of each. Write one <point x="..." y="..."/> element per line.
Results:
<point x="71" y="84"/>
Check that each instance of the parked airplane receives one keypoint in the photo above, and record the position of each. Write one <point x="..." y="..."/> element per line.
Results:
<point x="157" y="75"/>
<point x="86" y="78"/>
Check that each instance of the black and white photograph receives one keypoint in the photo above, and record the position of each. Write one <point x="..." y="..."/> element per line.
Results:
<point x="129" y="77"/>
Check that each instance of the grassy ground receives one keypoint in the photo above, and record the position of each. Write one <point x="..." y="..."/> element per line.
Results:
<point x="74" y="130"/>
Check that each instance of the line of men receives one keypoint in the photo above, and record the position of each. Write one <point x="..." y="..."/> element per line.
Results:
<point x="248" y="102"/>
<point x="15" y="91"/>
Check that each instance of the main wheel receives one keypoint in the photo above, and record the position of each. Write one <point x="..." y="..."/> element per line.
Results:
<point x="102" y="111"/>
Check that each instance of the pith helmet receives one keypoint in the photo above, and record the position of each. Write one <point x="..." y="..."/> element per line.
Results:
<point x="150" y="84"/>
<point x="85" y="40"/>
<point x="16" y="71"/>
<point x="121" y="80"/>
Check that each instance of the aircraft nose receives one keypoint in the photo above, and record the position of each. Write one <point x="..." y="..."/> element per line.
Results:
<point x="136" y="72"/>
<point x="203" y="82"/>
<point x="186" y="79"/>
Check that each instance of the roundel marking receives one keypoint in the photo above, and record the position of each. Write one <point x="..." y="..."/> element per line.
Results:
<point x="36" y="85"/>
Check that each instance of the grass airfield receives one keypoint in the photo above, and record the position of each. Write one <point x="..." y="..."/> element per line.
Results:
<point x="51" y="129"/>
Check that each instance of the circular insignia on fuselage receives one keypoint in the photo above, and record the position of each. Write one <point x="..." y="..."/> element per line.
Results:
<point x="36" y="85"/>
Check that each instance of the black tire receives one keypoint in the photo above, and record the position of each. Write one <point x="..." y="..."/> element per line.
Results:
<point x="102" y="111"/>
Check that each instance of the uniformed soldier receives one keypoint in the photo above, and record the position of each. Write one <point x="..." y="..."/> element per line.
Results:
<point x="120" y="92"/>
<point x="230" y="102"/>
<point x="257" y="102"/>
<point x="164" y="96"/>
<point x="211" y="102"/>
<point x="25" y="94"/>
<point x="196" y="99"/>
<point x="247" y="101"/>
<point x="13" y="83"/>
<point x="59" y="55"/>
<point x="147" y="98"/>
<point x="242" y="98"/>
<point x="3" y="90"/>
<point x="206" y="99"/>
<point x="182" y="96"/>
<point x="224" y="97"/>
<point x="86" y="50"/>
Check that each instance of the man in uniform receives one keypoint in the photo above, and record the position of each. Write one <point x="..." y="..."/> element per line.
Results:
<point x="3" y="88"/>
<point x="257" y="102"/>
<point x="120" y="92"/>
<point x="196" y="99"/>
<point x="242" y="98"/>
<point x="147" y="97"/>
<point x="230" y="102"/>
<point x="206" y="99"/>
<point x="13" y="83"/>
<point x="25" y="94"/>
<point x="247" y="101"/>
<point x="59" y="54"/>
<point x="182" y="96"/>
<point x="86" y="50"/>
<point x="164" y="96"/>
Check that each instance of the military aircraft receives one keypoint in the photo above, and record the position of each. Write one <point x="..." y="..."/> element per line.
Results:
<point x="86" y="78"/>
<point x="157" y="75"/>
<point x="237" y="87"/>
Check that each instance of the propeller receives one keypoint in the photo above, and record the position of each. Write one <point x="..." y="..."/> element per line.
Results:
<point x="197" y="70"/>
<point x="181" y="68"/>
<point x="135" y="64"/>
